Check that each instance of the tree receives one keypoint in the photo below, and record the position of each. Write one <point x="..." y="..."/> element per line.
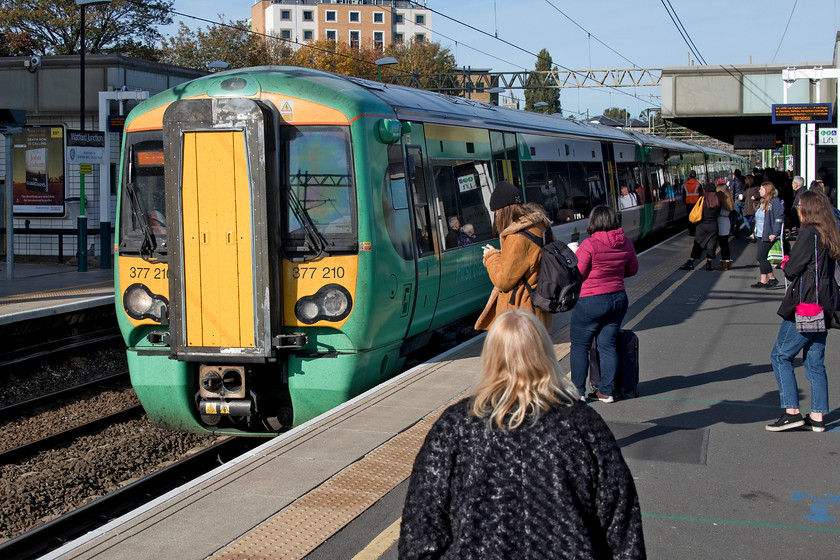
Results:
<point x="536" y="93"/>
<point x="653" y="115"/>
<point x="54" y="26"/>
<point x="418" y="58"/>
<point x="231" y="42"/>
<point x="333" y="56"/>
<point x="617" y="114"/>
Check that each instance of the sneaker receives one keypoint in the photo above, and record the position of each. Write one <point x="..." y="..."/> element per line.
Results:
<point x="758" y="285"/>
<point x="604" y="398"/>
<point x="772" y="283"/>
<point x="786" y="422"/>
<point x="813" y="425"/>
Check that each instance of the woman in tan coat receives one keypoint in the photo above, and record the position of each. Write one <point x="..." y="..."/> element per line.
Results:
<point x="517" y="260"/>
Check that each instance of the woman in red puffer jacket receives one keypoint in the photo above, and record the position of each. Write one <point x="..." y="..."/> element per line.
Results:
<point x="605" y="259"/>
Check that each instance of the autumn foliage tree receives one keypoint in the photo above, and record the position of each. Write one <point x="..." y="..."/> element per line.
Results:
<point x="231" y="42"/>
<point x="49" y="27"/>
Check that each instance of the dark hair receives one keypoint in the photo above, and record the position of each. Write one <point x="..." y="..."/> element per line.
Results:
<point x="602" y="218"/>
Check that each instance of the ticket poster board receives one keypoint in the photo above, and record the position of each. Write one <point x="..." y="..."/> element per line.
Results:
<point x="38" y="172"/>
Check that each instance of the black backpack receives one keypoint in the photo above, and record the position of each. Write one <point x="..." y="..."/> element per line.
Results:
<point x="559" y="282"/>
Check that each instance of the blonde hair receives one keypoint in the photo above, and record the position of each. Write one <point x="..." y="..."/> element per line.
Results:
<point x="815" y="210"/>
<point x="725" y="197"/>
<point x="769" y="194"/>
<point x="520" y="376"/>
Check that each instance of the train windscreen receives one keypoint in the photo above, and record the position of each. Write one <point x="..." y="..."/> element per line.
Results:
<point x="143" y="210"/>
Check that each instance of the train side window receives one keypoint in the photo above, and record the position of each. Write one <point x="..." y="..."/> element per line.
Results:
<point x="395" y="207"/>
<point x="505" y="157"/>
<point x="417" y="184"/>
<point x="540" y="189"/>
<point x="464" y="190"/>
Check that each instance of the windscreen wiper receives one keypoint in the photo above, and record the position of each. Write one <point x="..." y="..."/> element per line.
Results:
<point x="149" y="245"/>
<point x="314" y="240"/>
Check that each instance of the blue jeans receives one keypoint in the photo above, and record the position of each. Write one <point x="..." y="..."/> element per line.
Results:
<point x="599" y="316"/>
<point x="738" y="222"/>
<point x="788" y="344"/>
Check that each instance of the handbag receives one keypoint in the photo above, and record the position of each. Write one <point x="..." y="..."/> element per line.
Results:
<point x="696" y="213"/>
<point x="776" y="254"/>
<point x="810" y="317"/>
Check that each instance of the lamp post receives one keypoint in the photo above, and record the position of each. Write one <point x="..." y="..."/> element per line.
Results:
<point x="493" y="91"/>
<point x="383" y="62"/>
<point x="540" y="104"/>
<point x="218" y="65"/>
<point x="82" y="235"/>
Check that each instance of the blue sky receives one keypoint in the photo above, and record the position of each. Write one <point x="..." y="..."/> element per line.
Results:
<point x="724" y="32"/>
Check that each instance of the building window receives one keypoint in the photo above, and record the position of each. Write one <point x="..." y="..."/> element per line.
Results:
<point x="331" y="35"/>
<point x="286" y="34"/>
<point x="308" y="35"/>
<point x="420" y="19"/>
<point x="285" y="15"/>
<point x="308" y="15"/>
<point x="420" y="37"/>
<point x="330" y="15"/>
<point x="398" y="38"/>
<point x="378" y="39"/>
<point x="398" y="18"/>
<point x="355" y="17"/>
<point x="354" y="39"/>
<point x="378" y="17"/>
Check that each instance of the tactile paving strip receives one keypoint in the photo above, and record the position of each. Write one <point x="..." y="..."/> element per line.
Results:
<point x="101" y="288"/>
<point x="301" y="527"/>
<point x="298" y="529"/>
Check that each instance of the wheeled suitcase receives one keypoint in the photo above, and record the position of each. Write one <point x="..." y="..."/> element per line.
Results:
<point x="627" y="377"/>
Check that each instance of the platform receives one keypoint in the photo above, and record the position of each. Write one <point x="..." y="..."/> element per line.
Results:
<point x="41" y="290"/>
<point x="711" y="480"/>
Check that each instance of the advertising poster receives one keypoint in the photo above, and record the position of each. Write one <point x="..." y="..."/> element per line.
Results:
<point x="38" y="171"/>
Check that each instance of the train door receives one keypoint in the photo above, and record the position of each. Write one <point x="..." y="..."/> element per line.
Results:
<point x="505" y="157"/>
<point x="428" y="261"/>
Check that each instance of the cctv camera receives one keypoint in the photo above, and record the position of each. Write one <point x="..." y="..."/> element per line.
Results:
<point x="34" y="61"/>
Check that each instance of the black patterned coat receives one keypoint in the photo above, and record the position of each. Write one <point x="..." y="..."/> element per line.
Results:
<point x="557" y="489"/>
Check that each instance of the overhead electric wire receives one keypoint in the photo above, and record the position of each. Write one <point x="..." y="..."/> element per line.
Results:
<point x="537" y="56"/>
<point x="676" y="15"/>
<point x="790" y="17"/>
<point x="681" y="30"/>
<point x="591" y="35"/>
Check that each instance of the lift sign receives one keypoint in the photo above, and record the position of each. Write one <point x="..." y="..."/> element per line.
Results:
<point x="828" y="137"/>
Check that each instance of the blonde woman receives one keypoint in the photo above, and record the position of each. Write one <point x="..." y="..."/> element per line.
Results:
<point x="769" y="219"/>
<point x="521" y="469"/>
<point x="724" y="223"/>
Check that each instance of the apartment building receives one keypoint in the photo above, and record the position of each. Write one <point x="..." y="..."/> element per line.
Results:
<point x="377" y="23"/>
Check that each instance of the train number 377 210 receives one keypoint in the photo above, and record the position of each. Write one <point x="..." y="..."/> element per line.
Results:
<point x="145" y="273"/>
<point x="312" y="272"/>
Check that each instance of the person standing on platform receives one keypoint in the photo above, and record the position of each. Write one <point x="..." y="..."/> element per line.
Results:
<point x="518" y="259"/>
<point x="692" y="195"/>
<point x="769" y="219"/>
<point x="829" y="184"/>
<point x="706" y="234"/>
<point x="724" y="227"/>
<point x="605" y="259"/>
<point x="737" y="189"/>
<point x="798" y="183"/>
<point x="810" y="270"/>
<point x="751" y="199"/>
<point x="520" y="469"/>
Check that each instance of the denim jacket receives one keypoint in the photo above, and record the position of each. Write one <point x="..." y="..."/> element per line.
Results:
<point x="774" y="219"/>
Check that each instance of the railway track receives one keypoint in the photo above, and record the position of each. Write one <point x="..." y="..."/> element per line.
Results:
<point x="50" y="347"/>
<point x="53" y="534"/>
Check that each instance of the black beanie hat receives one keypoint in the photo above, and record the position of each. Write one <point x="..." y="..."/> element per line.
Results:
<point x="709" y="187"/>
<point x="505" y="194"/>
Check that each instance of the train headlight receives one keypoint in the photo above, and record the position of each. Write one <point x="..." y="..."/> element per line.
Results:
<point x="331" y="303"/>
<point x="141" y="303"/>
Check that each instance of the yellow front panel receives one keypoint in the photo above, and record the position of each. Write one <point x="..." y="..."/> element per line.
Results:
<point x="155" y="276"/>
<point x="218" y="273"/>
<point x="305" y="279"/>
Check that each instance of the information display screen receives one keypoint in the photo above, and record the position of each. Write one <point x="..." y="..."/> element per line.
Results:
<point x="801" y="113"/>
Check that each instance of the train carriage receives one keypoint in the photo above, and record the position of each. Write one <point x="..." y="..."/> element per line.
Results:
<point x="282" y="231"/>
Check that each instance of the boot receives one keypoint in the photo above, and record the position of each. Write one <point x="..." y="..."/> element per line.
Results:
<point x="709" y="264"/>
<point x="689" y="265"/>
<point x="724" y="265"/>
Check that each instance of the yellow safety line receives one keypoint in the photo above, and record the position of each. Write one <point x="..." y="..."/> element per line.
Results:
<point x="381" y="543"/>
<point x="66" y="289"/>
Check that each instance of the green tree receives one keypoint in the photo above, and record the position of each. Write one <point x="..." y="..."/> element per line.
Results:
<point x="653" y="115"/>
<point x="536" y="91"/>
<point x="54" y="26"/>
<point x="617" y="114"/>
<point x="231" y="42"/>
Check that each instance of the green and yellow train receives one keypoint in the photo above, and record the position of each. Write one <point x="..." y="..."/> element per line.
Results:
<point x="281" y="243"/>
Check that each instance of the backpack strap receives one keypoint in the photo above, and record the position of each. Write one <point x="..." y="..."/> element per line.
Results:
<point x="548" y="237"/>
